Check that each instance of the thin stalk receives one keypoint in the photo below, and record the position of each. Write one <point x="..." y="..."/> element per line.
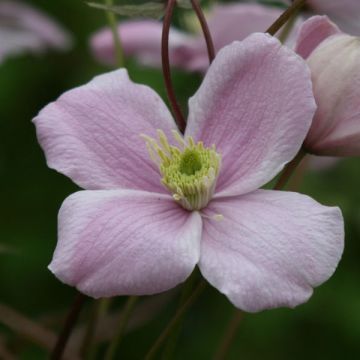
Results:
<point x="285" y="16"/>
<point x="179" y="117"/>
<point x="175" y="320"/>
<point x="170" y="346"/>
<point x="229" y="336"/>
<point x="111" y="18"/>
<point x="289" y="170"/>
<point x="86" y="345"/>
<point x="285" y="32"/>
<point x="129" y="307"/>
<point x="70" y="322"/>
<point x="205" y="29"/>
<point x="88" y="348"/>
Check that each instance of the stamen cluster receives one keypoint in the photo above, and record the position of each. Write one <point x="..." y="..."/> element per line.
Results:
<point x="189" y="171"/>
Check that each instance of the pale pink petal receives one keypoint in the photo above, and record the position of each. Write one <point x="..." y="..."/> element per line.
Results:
<point x="335" y="68"/>
<point x="271" y="248"/>
<point x="256" y="105"/>
<point x="141" y="39"/>
<point x="125" y="242"/>
<point x="92" y="133"/>
<point x="345" y="13"/>
<point x="230" y="22"/>
<point x="313" y="32"/>
<point x="227" y="23"/>
<point x="25" y="29"/>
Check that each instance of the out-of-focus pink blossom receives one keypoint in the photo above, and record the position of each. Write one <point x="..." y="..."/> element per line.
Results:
<point x="133" y="232"/>
<point x="334" y="61"/>
<point x="24" y="29"/>
<point x="227" y="23"/>
<point x="345" y="13"/>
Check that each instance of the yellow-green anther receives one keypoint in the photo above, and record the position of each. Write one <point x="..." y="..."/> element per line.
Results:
<point x="189" y="171"/>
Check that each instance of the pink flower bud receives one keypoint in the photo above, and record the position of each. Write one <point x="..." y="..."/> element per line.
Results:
<point x="334" y="61"/>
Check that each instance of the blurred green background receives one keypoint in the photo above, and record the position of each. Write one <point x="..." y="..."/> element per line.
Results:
<point x="328" y="326"/>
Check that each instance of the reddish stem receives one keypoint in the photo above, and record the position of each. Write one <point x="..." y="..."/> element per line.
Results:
<point x="285" y="16"/>
<point x="205" y="28"/>
<point x="179" y="117"/>
<point x="68" y="327"/>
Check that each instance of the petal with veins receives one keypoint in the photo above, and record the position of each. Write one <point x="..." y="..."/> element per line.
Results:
<point x="125" y="242"/>
<point x="92" y="134"/>
<point x="271" y="248"/>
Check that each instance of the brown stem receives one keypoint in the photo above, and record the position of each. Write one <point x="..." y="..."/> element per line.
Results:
<point x="68" y="327"/>
<point x="285" y="16"/>
<point x="289" y="169"/>
<point x="179" y="117"/>
<point x="205" y="29"/>
<point x="229" y="336"/>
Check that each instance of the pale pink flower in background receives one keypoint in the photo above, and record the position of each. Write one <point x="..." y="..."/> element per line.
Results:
<point x="150" y="214"/>
<point x="345" y="13"/>
<point x="227" y="23"/>
<point x="334" y="61"/>
<point x="25" y="29"/>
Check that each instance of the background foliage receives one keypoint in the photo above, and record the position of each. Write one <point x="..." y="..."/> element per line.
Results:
<point x="328" y="326"/>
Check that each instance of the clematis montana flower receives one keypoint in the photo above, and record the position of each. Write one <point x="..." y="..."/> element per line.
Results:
<point x="334" y="61"/>
<point x="158" y="203"/>
<point x="345" y="13"/>
<point x="24" y="29"/>
<point x="142" y="38"/>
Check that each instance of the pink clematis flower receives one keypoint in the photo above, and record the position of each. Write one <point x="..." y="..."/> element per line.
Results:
<point x="345" y="13"/>
<point x="155" y="208"/>
<point x="24" y="29"/>
<point x="142" y="38"/>
<point x="334" y="61"/>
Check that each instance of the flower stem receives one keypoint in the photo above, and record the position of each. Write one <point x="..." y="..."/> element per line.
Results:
<point x="68" y="327"/>
<point x="289" y="170"/>
<point x="119" y="53"/>
<point x="285" y="32"/>
<point x="175" y="320"/>
<point x="129" y="307"/>
<point x="205" y="28"/>
<point x="170" y="346"/>
<point x="179" y="117"/>
<point x="88" y="348"/>
<point x="229" y="335"/>
<point x="285" y="16"/>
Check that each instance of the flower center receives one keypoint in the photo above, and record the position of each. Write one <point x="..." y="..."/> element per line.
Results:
<point x="189" y="171"/>
<point x="190" y="162"/>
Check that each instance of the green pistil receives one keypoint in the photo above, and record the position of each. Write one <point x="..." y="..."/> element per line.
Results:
<point x="189" y="171"/>
<point x="190" y="162"/>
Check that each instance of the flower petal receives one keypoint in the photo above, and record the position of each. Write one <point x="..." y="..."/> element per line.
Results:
<point x="312" y="33"/>
<point x="271" y="248"/>
<point x="256" y="105"/>
<point x="345" y="13"/>
<point x="335" y="69"/>
<point x="141" y="39"/>
<point x="241" y="21"/>
<point x="23" y="28"/>
<point x="125" y="242"/>
<point x="92" y="133"/>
